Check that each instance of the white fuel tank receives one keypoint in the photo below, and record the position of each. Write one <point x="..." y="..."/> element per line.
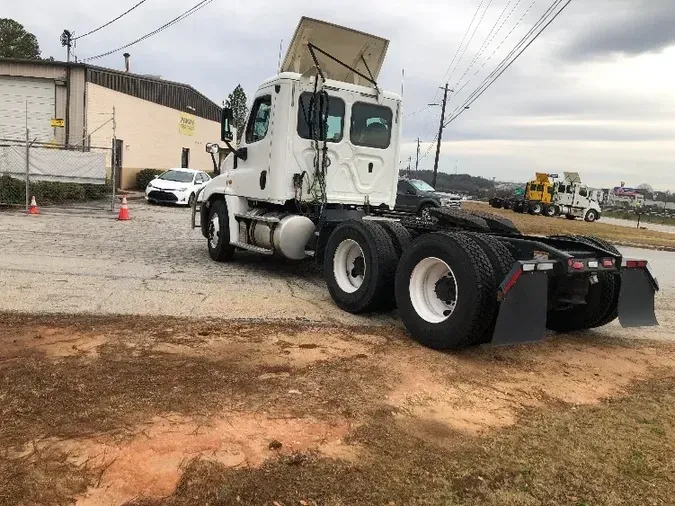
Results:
<point x="287" y="237"/>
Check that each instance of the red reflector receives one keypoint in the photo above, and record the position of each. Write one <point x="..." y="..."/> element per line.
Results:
<point x="512" y="281"/>
<point x="642" y="263"/>
<point x="631" y="264"/>
<point x="577" y="265"/>
<point x="608" y="262"/>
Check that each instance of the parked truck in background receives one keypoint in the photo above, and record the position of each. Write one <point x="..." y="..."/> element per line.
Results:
<point x="570" y="198"/>
<point x="316" y="176"/>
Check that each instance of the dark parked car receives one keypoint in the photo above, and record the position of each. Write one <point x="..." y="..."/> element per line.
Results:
<point x="417" y="197"/>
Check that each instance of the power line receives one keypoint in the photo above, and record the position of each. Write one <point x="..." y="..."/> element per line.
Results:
<point x="489" y="38"/>
<point x="445" y="75"/>
<point x="175" y="20"/>
<point x="513" y="29"/>
<point x="111" y="21"/>
<point x="470" y="39"/>
<point x="476" y="94"/>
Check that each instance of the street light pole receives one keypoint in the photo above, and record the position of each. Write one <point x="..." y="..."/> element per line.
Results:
<point x="440" y="134"/>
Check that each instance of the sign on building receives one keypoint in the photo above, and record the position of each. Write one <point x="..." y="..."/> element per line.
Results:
<point x="187" y="124"/>
<point x="58" y="123"/>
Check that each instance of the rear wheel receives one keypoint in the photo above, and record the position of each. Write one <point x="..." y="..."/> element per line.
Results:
<point x="613" y="310"/>
<point x="425" y="211"/>
<point x="536" y="208"/>
<point x="502" y="261"/>
<point x="550" y="210"/>
<point x="218" y="233"/>
<point x="445" y="290"/>
<point x="599" y="302"/>
<point x="359" y="266"/>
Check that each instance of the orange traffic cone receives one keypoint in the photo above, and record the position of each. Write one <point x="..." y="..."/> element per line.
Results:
<point x="124" y="210"/>
<point x="33" y="209"/>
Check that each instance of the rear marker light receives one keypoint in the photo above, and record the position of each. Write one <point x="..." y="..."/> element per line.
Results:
<point x="607" y="262"/>
<point x="575" y="264"/>
<point x="528" y="267"/>
<point x="512" y="281"/>
<point x="593" y="264"/>
<point x="631" y="264"/>
<point x="545" y="267"/>
<point x="642" y="263"/>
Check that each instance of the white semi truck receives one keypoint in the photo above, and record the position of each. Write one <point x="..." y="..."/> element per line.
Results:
<point x="316" y="174"/>
<point x="573" y="199"/>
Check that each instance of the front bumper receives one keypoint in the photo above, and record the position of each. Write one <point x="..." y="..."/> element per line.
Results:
<point x="167" y="196"/>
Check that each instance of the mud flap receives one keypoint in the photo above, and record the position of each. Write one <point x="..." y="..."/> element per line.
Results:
<point x="522" y="313"/>
<point x="636" y="299"/>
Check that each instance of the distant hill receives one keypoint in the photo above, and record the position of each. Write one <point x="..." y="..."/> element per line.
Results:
<point x="465" y="184"/>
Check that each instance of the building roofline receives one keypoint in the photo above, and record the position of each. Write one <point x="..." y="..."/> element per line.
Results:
<point x="57" y="63"/>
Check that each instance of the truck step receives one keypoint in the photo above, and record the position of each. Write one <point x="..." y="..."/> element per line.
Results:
<point x="250" y="247"/>
<point x="253" y="217"/>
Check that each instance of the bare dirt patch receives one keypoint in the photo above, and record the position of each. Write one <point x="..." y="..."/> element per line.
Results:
<point x="181" y="412"/>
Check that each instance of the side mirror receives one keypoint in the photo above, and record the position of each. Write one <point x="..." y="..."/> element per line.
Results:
<point x="212" y="148"/>
<point x="226" y="124"/>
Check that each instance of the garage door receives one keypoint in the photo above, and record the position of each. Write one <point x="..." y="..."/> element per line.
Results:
<point x="38" y="95"/>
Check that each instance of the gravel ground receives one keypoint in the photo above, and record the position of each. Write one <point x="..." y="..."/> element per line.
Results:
<point x="154" y="264"/>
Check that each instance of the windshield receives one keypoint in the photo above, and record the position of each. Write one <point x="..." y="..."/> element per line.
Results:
<point x="177" y="175"/>
<point x="421" y="185"/>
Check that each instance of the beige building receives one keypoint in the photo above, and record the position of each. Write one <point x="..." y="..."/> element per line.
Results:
<point x="158" y="124"/>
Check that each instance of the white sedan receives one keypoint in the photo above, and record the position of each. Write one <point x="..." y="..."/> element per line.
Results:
<point x="176" y="186"/>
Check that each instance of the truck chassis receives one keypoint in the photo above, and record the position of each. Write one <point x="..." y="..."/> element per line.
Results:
<point x="462" y="278"/>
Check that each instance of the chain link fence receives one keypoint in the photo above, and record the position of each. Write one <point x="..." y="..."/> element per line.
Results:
<point x="57" y="176"/>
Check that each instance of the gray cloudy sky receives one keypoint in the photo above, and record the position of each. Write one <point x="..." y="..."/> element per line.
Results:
<point x="594" y="94"/>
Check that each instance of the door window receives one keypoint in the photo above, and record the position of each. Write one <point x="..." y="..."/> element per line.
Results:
<point x="334" y="121"/>
<point x="199" y="178"/>
<point x="583" y="192"/>
<point x="259" y="121"/>
<point x="371" y="125"/>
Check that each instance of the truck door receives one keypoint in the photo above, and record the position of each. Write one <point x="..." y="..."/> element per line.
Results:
<point x="252" y="172"/>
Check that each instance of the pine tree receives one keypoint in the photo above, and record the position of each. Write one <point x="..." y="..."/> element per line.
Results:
<point x="237" y="102"/>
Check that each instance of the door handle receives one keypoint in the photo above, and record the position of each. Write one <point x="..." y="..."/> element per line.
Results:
<point x="241" y="153"/>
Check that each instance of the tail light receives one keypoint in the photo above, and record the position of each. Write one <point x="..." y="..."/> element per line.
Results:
<point x="608" y="262"/>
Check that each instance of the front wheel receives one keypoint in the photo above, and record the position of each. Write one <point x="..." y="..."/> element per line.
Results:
<point x="218" y="233"/>
<point x="591" y="215"/>
<point x="445" y="290"/>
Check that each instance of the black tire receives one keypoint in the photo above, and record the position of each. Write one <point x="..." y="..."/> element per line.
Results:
<point x="502" y="261"/>
<point x="424" y="211"/>
<point x="191" y="200"/>
<point x="496" y="223"/>
<point x="591" y="216"/>
<point x="460" y="218"/>
<point x="399" y="235"/>
<point x="536" y="208"/>
<point x="599" y="302"/>
<point x="570" y="217"/>
<point x="220" y="249"/>
<point x="508" y="204"/>
<point x="496" y="203"/>
<point x="612" y="312"/>
<point x="550" y="211"/>
<point x="376" y="291"/>
<point x="476" y="302"/>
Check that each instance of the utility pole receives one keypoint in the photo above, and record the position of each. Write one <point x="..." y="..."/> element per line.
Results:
<point x="440" y="134"/>
<point x="417" y="160"/>
<point x="67" y="42"/>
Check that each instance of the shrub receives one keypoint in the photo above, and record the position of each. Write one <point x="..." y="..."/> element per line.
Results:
<point x="13" y="191"/>
<point x="143" y="177"/>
